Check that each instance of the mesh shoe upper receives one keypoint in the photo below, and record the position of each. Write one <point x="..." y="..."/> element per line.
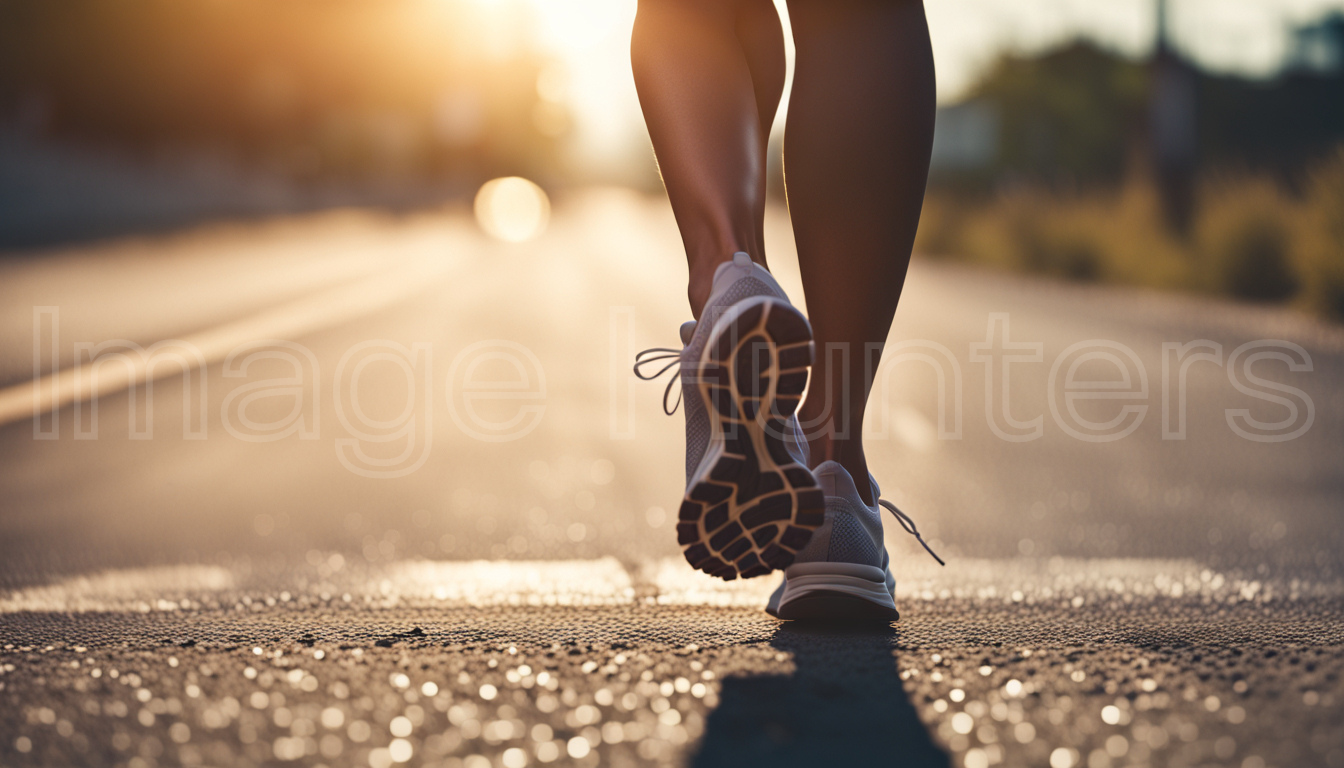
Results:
<point x="852" y="532"/>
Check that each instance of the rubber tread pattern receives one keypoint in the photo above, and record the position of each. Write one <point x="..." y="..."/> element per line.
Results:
<point x="752" y="507"/>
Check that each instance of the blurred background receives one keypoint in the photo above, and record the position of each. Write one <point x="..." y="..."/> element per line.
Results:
<point x="1185" y="144"/>
<point x="1197" y="149"/>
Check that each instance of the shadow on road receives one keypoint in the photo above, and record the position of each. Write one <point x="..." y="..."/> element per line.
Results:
<point x="844" y="705"/>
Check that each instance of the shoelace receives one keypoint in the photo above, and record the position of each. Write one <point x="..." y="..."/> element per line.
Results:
<point x="656" y="355"/>
<point x="909" y="526"/>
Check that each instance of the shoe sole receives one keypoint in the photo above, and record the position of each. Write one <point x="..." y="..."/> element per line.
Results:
<point x="836" y="592"/>
<point x="750" y="507"/>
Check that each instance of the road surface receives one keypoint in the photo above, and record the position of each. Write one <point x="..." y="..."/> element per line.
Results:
<point x="442" y="533"/>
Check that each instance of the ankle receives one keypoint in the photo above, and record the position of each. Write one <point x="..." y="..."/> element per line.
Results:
<point x="848" y="454"/>
<point x="706" y="254"/>
<point x="702" y="271"/>
<point x="697" y="293"/>
<point x="701" y="284"/>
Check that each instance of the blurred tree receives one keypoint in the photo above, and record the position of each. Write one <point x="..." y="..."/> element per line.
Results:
<point x="350" y="89"/>
<point x="1065" y="118"/>
<point x="1077" y="116"/>
<point x="1285" y="124"/>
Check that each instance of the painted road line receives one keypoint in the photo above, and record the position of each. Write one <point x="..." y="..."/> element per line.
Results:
<point x="608" y="582"/>
<point x="129" y="589"/>
<point x="288" y="321"/>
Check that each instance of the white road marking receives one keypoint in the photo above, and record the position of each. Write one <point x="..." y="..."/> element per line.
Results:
<point x="288" y="321"/>
<point x="132" y="589"/>
<point x="518" y="582"/>
<point x="606" y="582"/>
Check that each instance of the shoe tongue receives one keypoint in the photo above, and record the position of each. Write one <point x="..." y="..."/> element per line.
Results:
<point x="835" y="480"/>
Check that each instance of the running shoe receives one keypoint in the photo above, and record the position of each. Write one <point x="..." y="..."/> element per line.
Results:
<point x="750" y="501"/>
<point x="844" y="573"/>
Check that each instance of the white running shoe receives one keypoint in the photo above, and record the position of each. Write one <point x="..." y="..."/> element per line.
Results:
<point x="750" y="501"/>
<point x="844" y="573"/>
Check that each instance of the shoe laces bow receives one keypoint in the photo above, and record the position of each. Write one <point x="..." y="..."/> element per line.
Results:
<point x="653" y="356"/>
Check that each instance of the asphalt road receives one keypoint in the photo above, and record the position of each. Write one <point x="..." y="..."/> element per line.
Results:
<point x="175" y="591"/>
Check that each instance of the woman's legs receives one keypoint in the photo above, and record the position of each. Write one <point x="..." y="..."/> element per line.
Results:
<point x="709" y="75"/>
<point x="856" y="158"/>
<point x="860" y="127"/>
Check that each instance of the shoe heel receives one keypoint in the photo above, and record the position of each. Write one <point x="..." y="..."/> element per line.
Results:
<point x="751" y="507"/>
<point x="836" y="591"/>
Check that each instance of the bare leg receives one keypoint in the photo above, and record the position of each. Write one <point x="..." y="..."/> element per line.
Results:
<point x="856" y="158"/>
<point x="709" y="75"/>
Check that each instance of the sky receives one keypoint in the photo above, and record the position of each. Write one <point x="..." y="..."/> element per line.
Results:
<point x="591" y="38"/>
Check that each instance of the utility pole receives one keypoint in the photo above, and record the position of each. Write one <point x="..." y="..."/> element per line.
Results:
<point x="1172" y="127"/>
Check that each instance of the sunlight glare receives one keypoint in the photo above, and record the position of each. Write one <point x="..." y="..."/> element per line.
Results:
<point x="512" y="209"/>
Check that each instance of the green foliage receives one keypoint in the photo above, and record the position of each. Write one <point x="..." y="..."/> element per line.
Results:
<point x="1066" y="116"/>
<point x="1077" y="117"/>
<point x="1244" y="239"/>
<point x="1252" y="240"/>
<point x="1321" y="243"/>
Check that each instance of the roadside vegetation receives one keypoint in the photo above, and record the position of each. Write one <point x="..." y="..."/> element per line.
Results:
<point x="1087" y="168"/>
<point x="1251" y="238"/>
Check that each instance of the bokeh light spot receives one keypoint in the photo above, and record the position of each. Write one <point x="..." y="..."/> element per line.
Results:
<point x="512" y="209"/>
